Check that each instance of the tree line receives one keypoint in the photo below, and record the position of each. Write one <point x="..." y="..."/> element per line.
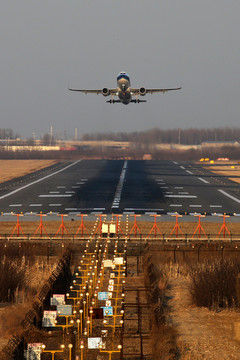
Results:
<point x="171" y="136"/>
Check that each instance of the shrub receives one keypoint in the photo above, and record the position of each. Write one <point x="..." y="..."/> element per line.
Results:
<point x="214" y="285"/>
<point x="11" y="277"/>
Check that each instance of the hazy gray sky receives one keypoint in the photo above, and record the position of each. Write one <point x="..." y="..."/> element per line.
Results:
<point x="50" y="45"/>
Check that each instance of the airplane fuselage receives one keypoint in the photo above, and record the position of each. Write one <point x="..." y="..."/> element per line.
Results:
<point x="124" y="91"/>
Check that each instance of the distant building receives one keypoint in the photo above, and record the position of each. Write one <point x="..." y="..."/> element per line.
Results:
<point x="15" y="148"/>
<point x="147" y="157"/>
<point x="220" y="143"/>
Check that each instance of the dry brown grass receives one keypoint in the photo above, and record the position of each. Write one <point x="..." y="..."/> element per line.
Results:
<point x="11" y="169"/>
<point x="12" y="314"/>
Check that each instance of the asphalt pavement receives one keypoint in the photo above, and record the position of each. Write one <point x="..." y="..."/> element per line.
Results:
<point x="121" y="187"/>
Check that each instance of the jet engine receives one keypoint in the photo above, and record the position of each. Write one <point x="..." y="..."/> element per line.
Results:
<point x="142" y="91"/>
<point x="105" y="92"/>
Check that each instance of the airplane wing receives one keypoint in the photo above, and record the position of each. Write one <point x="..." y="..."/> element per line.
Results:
<point x="110" y="91"/>
<point x="151" y="91"/>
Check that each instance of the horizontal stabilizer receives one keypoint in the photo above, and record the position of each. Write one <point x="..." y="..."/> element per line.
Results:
<point x="138" y="101"/>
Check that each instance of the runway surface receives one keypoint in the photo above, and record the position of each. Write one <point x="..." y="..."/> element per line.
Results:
<point x="121" y="187"/>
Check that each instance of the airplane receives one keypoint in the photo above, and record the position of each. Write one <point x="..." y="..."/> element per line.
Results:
<point x="124" y="91"/>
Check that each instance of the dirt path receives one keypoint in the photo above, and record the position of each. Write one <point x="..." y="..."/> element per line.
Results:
<point x="202" y="334"/>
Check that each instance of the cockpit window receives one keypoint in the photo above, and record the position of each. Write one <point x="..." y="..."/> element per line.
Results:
<point x="123" y="75"/>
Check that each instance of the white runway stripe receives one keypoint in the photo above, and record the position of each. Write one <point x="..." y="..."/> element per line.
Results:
<point x="203" y="180"/>
<point x="142" y="209"/>
<point x="228" y="195"/>
<point x="55" y="196"/>
<point x="182" y="196"/>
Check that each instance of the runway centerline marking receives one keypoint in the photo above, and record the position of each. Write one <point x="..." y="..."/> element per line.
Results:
<point x="189" y="172"/>
<point x="228" y="195"/>
<point x="38" y="205"/>
<point x="118" y="192"/>
<point x="37" y="181"/>
<point x="14" y="205"/>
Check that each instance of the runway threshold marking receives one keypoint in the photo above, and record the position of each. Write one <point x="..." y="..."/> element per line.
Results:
<point x="142" y="209"/>
<point x="229" y="196"/>
<point x="55" y="196"/>
<point x="37" y="181"/>
<point x="182" y="196"/>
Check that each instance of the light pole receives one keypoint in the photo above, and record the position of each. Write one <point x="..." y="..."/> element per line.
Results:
<point x="81" y="349"/>
<point x="70" y="346"/>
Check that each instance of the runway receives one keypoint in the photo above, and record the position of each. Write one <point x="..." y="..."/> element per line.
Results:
<point x="121" y="187"/>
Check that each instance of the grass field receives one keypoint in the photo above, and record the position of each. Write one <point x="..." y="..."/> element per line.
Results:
<point x="11" y="169"/>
